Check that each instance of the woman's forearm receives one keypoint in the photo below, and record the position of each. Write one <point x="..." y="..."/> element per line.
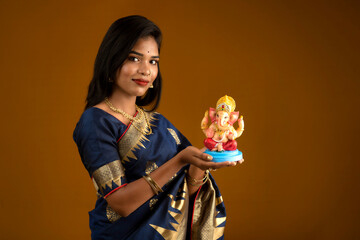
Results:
<point x="130" y="197"/>
<point x="195" y="173"/>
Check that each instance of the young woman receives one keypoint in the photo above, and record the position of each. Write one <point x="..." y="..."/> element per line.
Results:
<point x="151" y="183"/>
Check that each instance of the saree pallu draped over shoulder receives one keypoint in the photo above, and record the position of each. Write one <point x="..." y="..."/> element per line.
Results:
<point x="166" y="215"/>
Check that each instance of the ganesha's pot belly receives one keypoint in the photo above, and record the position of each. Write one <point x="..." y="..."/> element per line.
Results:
<point x="213" y="145"/>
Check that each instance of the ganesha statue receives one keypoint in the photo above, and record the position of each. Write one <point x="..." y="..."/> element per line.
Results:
<point x="220" y="133"/>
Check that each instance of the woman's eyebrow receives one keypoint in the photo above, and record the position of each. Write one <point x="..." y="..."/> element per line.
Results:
<point x="141" y="55"/>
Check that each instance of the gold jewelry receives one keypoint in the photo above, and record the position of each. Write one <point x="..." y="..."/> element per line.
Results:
<point x="151" y="86"/>
<point x="146" y="131"/>
<point x="154" y="186"/>
<point x="117" y="110"/>
<point x="222" y="129"/>
<point x="221" y="132"/>
<point x="137" y="119"/>
<point x="225" y="103"/>
<point x="198" y="182"/>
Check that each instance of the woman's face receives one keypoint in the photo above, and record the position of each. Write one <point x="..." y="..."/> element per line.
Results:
<point x="139" y="70"/>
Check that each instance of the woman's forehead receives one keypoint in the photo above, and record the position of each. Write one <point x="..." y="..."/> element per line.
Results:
<point x="146" y="46"/>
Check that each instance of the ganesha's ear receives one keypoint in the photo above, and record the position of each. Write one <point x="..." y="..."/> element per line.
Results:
<point x="233" y="117"/>
<point x="212" y="112"/>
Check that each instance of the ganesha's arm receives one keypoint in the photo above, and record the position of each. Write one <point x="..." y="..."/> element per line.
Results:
<point x="240" y="130"/>
<point x="232" y="134"/>
<point x="209" y="133"/>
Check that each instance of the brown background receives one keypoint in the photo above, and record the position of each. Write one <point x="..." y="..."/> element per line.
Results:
<point x="292" y="67"/>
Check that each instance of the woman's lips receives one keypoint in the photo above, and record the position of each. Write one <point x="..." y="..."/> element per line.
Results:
<point x="141" y="82"/>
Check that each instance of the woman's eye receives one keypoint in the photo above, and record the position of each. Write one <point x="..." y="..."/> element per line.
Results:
<point x="134" y="59"/>
<point x="153" y="62"/>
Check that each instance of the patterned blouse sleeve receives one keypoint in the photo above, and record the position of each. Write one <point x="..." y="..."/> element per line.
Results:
<point x="95" y="137"/>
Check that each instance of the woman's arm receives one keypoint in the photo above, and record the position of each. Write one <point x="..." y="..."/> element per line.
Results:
<point x="130" y="197"/>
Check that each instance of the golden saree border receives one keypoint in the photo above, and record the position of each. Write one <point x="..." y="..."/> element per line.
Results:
<point x="106" y="175"/>
<point x="111" y="215"/>
<point x="205" y="215"/>
<point x="180" y="203"/>
<point x="174" y="135"/>
<point x="133" y="139"/>
<point x="150" y="167"/>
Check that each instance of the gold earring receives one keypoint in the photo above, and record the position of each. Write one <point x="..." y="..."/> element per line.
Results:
<point x="151" y="86"/>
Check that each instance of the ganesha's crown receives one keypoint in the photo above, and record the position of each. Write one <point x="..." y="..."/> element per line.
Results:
<point x="225" y="103"/>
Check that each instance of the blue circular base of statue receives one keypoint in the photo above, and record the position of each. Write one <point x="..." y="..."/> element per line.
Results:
<point x="231" y="156"/>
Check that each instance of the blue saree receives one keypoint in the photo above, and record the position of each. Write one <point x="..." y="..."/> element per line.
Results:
<point x="116" y="154"/>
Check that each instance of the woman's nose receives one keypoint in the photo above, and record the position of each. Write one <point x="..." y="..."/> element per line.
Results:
<point x="144" y="69"/>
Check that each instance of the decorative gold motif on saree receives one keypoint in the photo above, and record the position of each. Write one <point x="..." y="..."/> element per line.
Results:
<point x="150" y="167"/>
<point x="111" y="215"/>
<point x="179" y="216"/>
<point x="175" y="136"/>
<point x="104" y="176"/>
<point x="172" y="178"/>
<point x="206" y="216"/>
<point x="134" y="139"/>
<point x="152" y="203"/>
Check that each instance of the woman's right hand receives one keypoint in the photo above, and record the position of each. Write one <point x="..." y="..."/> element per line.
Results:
<point x="194" y="156"/>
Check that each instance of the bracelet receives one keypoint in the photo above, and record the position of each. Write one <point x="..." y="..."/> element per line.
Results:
<point x="198" y="182"/>
<point x="154" y="186"/>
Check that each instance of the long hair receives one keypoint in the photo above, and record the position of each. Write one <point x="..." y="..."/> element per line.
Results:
<point x="113" y="51"/>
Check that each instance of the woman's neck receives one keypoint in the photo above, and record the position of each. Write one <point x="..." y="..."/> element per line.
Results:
<point x="125" y="103"/>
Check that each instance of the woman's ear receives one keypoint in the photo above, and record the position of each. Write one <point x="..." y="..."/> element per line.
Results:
<point x="233" y="117"/>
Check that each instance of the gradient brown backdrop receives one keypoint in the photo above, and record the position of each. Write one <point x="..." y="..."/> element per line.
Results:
<point x="292" y="67"/>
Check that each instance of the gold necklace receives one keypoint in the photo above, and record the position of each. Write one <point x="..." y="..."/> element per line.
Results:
<point x="136" y="119"/>
<point x="147" y="130"/>
<point x="221" y="130"/>
<point x="117" y="110"/>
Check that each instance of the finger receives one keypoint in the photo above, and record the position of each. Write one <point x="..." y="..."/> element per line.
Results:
<point x="203" y="149"/>
<point x="206" y="157"/>
<point x="203" y="156"/>
<point x="229" y="164"/>
<point x="199" y="153"/>
<point x="201" y="160"/>
<point x="239" y="161"/>
<point x="217" y="165"/>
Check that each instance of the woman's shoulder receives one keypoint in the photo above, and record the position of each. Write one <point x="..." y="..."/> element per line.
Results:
<point x="96" y="120"/>
<point x="96" y="115"/>
<point x="163" y="121"/>
<point x="160" y="118"/>
<point x="165" y="124"/>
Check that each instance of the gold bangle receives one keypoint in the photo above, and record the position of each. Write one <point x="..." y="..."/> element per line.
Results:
<point x="154" y="186"/>
<point x="198" y="182"/>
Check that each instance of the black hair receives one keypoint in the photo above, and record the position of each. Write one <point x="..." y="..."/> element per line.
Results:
<point x="113" y="51"/>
